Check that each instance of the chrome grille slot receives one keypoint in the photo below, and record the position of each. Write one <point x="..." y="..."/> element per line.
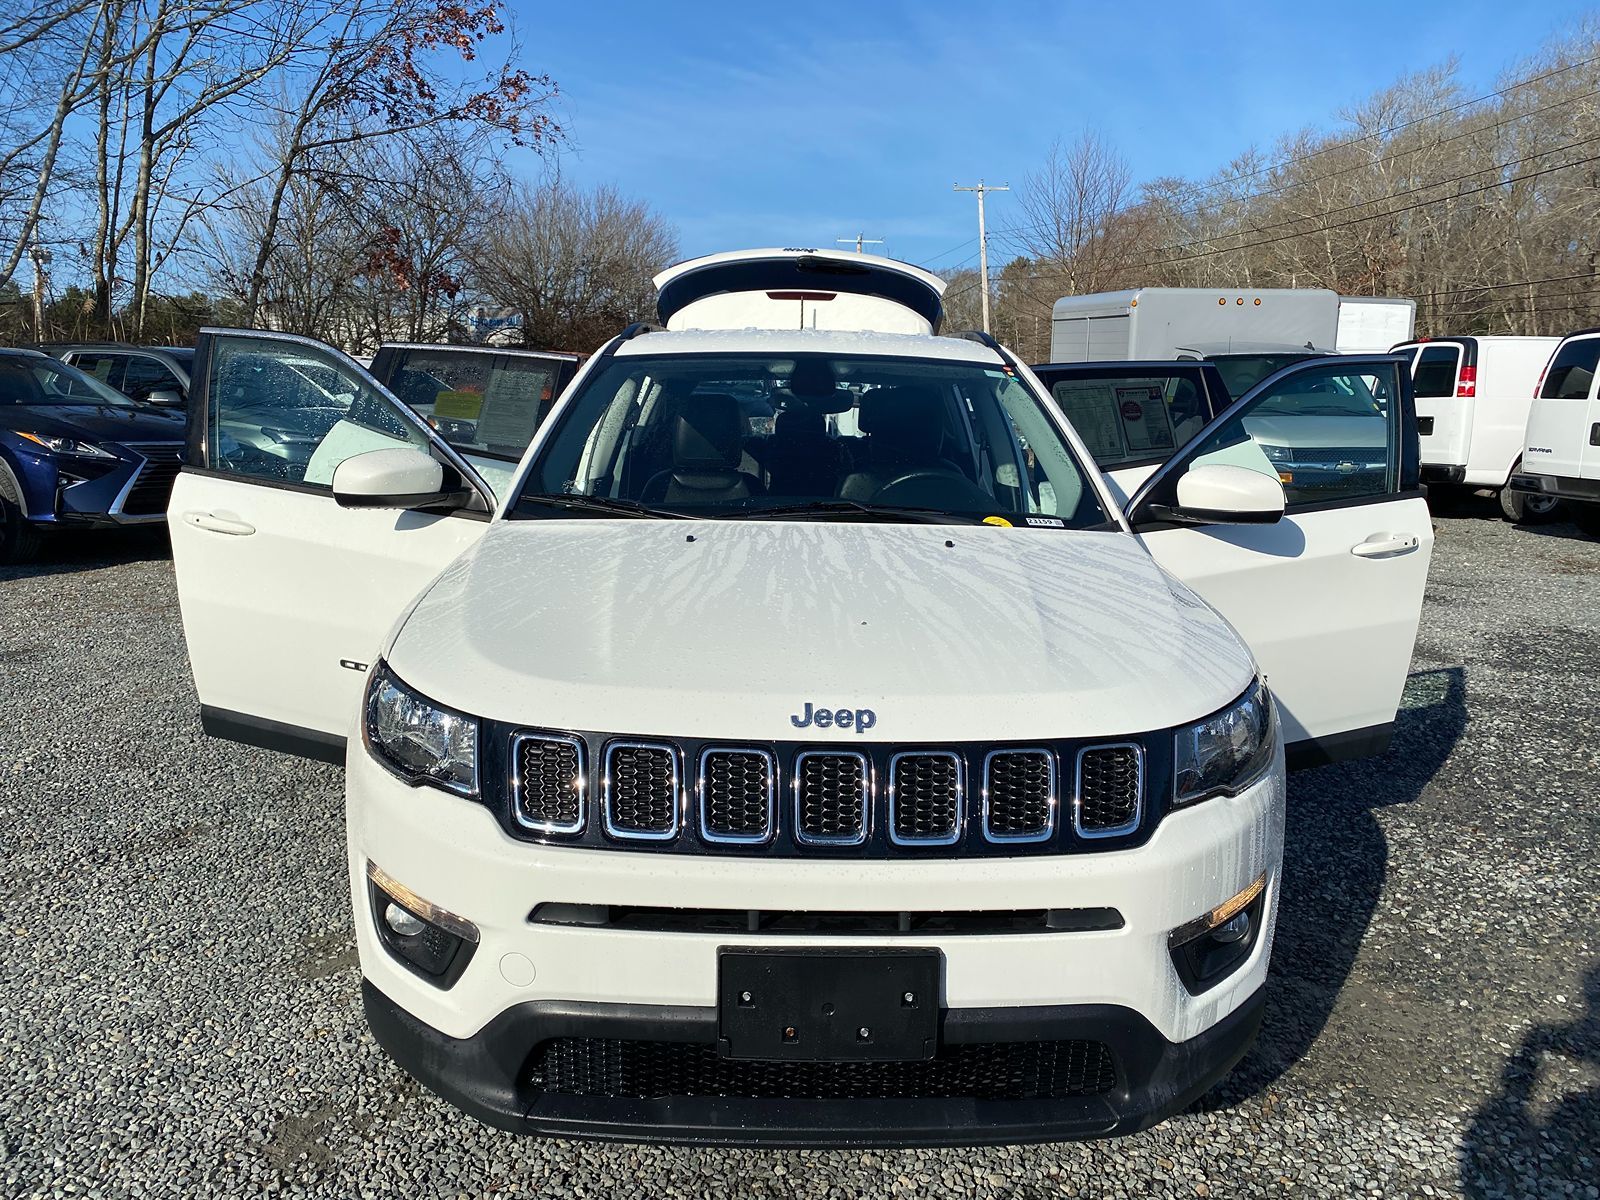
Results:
<point x="547" y="782"/>
<point x="642" y="791"/>
<point x="737" y="795"/>
<point x="1110" y="790"/>
<point x="832" y="789"/>
<point x="925" y="797"/>
<point x="1019" y="795"/>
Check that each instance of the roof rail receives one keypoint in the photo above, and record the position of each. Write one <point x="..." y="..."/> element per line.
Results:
<point x="979" y="336"/>
<point x="638" y="327"/>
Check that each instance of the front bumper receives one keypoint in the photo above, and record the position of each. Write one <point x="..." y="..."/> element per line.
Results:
<point x="526" y="982"/>
<point x="485" y="1076"/>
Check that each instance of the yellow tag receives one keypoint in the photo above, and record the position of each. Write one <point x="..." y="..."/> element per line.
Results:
<point x="458" y="406"/>
<point x="1000" y="521"/>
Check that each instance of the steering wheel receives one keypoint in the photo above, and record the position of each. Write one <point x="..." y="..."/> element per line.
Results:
<point x="932" y="488"/>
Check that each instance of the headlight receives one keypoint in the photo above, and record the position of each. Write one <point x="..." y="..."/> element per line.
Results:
<point x="417" y="739"/>
<point x="63" y="445"/>
<point x="1276" y="453"/>
<point x="1225" y="753"/>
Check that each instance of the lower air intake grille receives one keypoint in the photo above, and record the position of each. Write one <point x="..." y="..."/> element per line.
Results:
<point x="736" y="795"/>
<point x="549" y="783"/>
<point x="926" y="803"/>
<point x="1110" y="783"/>
<point x="641" y="790"/>
<point x="831" y="790"/>
<point x="1019" y="795"/>
<point x="152" y="486"/>
<point x="981" y="1071"/>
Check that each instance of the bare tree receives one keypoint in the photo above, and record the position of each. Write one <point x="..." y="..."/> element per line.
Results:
<point x="576" y="265"/>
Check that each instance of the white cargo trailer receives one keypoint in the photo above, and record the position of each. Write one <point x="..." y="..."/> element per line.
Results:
<point x="1154" y="323"/>
<point x="1371" y="324"/>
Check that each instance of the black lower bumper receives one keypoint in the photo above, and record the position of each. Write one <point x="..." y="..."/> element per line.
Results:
<point x="487" y="1076"/>
<point x="1439" y="473"/>
<point x="1562" y="486"/>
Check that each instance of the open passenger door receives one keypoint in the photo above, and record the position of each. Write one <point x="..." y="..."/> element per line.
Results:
<point x="292" y="561"/>
<point x="1330" y="595"/>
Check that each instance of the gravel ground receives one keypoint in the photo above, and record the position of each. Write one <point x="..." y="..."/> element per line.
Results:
<point x="179" y="1007"/>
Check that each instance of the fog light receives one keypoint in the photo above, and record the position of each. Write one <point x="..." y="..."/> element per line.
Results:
<point x="425" y="939"/>
<point x="402" y="922"/>
<point x="1208" y="949"/>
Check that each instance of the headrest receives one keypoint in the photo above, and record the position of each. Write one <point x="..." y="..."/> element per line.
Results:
<point x="799" y="423"/>
<point x="710" y="434"/>
<point x="903" y="420"/>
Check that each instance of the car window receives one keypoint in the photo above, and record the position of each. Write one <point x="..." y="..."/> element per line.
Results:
<point x="1127" y="419"/>
<point x="107" y="368"/>
<point x="1241" y="372"/>
<point x="1435" y="372"/>
<point x="1326" y="433"/>
<point x="484" y="403"/>
<point x="726" y="436"/>
<point x="1571" y="372"/>
<point x="144" y="375"/>
<point x="290" y="413"/>
<point x="35" y="379"/>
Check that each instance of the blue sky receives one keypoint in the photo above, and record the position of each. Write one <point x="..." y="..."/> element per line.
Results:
<point x="755" y="124"/>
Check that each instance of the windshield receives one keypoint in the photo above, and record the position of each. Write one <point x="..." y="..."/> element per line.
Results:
<point x="834" y="435"/>
<point x="1241" y="372"/>
<point x="25" y="379"/>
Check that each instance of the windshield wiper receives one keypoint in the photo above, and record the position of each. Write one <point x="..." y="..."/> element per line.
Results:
<point x="854" y="508"/>
<point x="611" y="506"/>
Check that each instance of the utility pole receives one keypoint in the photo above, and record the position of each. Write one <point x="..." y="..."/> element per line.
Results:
<point x="983" y="240"/>
<point x="860" y="240"/>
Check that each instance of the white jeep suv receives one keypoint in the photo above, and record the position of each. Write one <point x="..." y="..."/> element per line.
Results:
<point x="871" y="770"/>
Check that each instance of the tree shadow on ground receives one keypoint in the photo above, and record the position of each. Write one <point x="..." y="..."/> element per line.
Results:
<point x="1334" y="865"/>
<point x="1536" y="1138"/>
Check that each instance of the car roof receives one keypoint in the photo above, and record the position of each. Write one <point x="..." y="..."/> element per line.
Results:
<point x="1213" y="349"/>
<point x="808" y="341"/>
<point x="23" y="351"/>
<point x="1128" y="364"/>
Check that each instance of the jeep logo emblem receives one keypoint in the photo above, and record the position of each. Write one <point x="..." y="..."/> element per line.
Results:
<point x="859" y="719"/>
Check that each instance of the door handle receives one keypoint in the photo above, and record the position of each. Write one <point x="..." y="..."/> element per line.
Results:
<point x="228" y="525"/>
<point x="1386" y="545"/>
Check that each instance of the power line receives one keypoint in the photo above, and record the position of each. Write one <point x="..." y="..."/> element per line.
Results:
<point x="1396" y="128"/>
<point x="860" y="240"/>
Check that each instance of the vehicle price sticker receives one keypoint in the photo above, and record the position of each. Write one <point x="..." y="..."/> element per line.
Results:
<point x="510" y="409"/>
<point x="459" y="405"/>
<point x="1092" y="410"/>
<point x="1145" y="424"/>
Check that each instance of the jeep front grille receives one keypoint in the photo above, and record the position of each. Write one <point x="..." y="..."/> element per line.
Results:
<point x="737" y="795"/>
<point x="1110" y="790"/>
<point x="925" y="798"/>
<point x="1019" y="795"/>
<point x="832" y="792"/>
<point x="548" y="787"/>
<point x="642" y="791"/>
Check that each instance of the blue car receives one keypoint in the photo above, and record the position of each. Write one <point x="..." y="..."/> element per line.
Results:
<point x="75" y="453"/>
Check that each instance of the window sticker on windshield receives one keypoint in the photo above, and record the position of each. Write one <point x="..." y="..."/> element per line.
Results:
<point x="458" y="405"/>
<point x="510" y="408"/>
<point x="1145" y="423"/>
<point x="1090" y="408"/>
<point x="1046" y="522"/>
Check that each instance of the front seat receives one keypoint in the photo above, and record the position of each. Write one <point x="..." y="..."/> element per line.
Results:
<point x="801" y="459"/>
<point x="707" y="449"/>
<point x="904" y="431"/>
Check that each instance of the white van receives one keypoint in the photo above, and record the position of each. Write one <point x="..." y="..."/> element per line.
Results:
<point x="1561" y="450"/>
<point x="807" y="781"/>
<point x="1473" y="396"/>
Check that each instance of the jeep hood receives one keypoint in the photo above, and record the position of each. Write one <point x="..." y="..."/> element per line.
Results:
<point x="725" y="628"/>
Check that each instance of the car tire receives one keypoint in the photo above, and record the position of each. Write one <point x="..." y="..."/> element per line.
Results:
<point x="19" y="541"/>
<point x="1587" y="518"/>
<point x="1529" y="508"/>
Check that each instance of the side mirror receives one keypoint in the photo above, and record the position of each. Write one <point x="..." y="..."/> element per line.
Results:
<point x="1217" y="494"/>
<point x="400" y="478"/>
<point x="166" y="397"/>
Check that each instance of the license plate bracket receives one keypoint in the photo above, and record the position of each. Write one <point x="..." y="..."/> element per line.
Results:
<point x="811" y="1005"/>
